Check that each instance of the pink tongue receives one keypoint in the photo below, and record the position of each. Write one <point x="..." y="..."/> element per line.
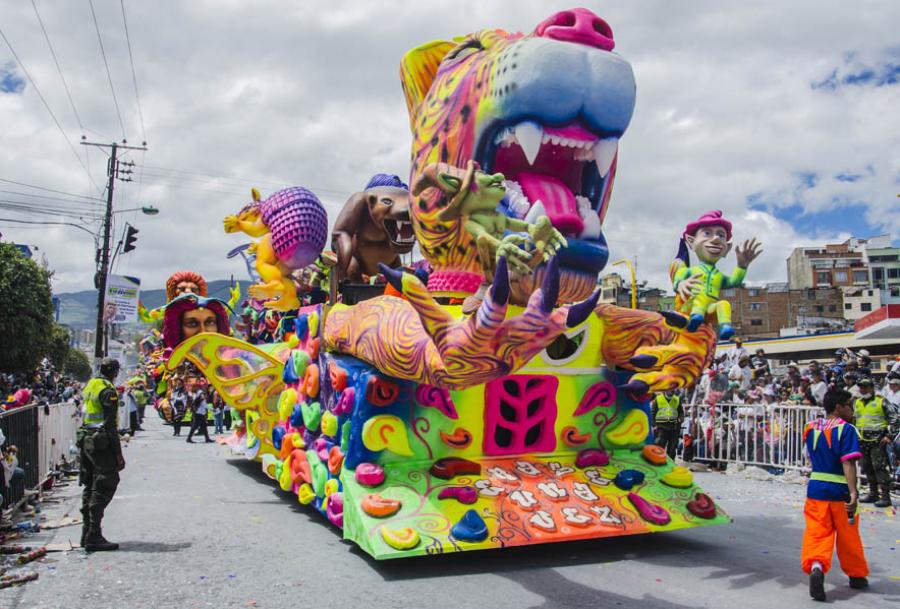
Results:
<point x="558" y="200"/>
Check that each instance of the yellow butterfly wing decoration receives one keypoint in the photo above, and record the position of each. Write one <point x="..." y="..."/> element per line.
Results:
<point x="245" y="375"/>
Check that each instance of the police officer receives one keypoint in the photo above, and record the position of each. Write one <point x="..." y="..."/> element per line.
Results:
<point x="141" y="398"/>
<point x="101" y="454"/>
<point x="668" y="414"/>
<point x="872" y="420"/>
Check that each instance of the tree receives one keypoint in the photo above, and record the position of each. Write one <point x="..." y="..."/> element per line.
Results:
<point x="77" y="364"/>
<point x="58" y="348"/>
<point x="27" y="311"/>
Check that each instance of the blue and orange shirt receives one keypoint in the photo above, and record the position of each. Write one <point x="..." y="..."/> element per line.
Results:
<point x="830" y="442"/>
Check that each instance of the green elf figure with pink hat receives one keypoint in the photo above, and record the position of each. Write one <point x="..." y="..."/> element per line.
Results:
<point x="699" y="287"/>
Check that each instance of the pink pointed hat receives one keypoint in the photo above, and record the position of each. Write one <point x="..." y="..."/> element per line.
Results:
<point x="710" y="218"/>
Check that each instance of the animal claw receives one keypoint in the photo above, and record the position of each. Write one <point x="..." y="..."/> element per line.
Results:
<point x="635" y="388"/>
<point x="644" y="361"/>
<point x="500" y="286"/>
<point x="676" y="320"/>
<point x="580" y="311"/>
<point x="550" y="285"/>
<point x="393" y="276"/>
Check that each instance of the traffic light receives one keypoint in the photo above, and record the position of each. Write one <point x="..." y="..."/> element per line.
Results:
<point x="130" y="239"/>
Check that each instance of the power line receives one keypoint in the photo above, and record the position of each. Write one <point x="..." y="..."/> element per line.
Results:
<point x="88" y="204"/>
<point x="333" y="203"/>
<point x="84" y="228"/>
<point x="61" y="192"/>
<point x="27" y="211"/>
<point x="238" y="181"/>
<point x="108" y="73"/>
<point x="58" y="68"/>
<point x="133" y="73"/>
<point x="38" y="207"/>
<point x="47" y="106"/>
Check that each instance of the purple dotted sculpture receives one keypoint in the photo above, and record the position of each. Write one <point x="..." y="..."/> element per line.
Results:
<point x="298" y="224"/>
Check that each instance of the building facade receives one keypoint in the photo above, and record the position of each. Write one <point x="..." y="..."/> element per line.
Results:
<point x="775" y="310"/>
<point x="884" y="268"/>
<point x="834" y="265"/>
<point x="859" y="302"/>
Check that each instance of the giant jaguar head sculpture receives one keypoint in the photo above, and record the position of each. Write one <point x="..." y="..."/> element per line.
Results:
<point x="547" y="110"/>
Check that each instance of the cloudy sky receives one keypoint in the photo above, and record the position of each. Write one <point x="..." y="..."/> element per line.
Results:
<point x="785" y="115"/>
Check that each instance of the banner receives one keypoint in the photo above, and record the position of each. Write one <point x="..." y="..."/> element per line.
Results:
<point x="121" y="301"/>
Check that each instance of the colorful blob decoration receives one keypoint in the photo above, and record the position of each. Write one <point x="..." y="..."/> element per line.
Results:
<point x="400" y="539"/>
<point x="597" y="396"/>
<point x="387" y="432"/>
<point x="471" y="527"/>
<point x="650" y="512"/>
<point x="369" y="474"/>
<point x="419" y="427"/>
<point x="381" y="392"/>
<point x="463" y="494"/>
<point x="572" y="438"/>
<point x="702" y="505"/>
<point x="679" y="477"/>
<point x="655" y="455"/>
<point x="630" y="431"/>
<point x="379" y="507"/>
<point x="436" y="397"/>
<point x="459" y="439"/>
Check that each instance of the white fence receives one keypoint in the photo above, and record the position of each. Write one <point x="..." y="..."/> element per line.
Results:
<point x="769" y="436"/>
<point x="57" y="425"/>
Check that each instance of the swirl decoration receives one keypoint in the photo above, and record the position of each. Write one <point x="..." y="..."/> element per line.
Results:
<point x="598" y="395"/>
<point x="572" y="438"/>
<point x="459" y="439"/>
<point x="630" y="431"/>
<point x="386" y="432"/>
<point x="509" y="524"/>
<point x="421" y="426"/>
<point x="436" y="397"/>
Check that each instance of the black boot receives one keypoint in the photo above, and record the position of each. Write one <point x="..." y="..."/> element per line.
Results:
<point x="885" y="500"/>
<point x="858" y="583"/>
<point x="85" y="526"/>
<point x="872" y="497"/>
<point x="95" y="541"/>
<point x="817" y="584"/>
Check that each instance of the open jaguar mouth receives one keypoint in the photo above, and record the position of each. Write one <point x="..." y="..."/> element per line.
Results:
<point x="560" y="172"/>
<point x="400" y="232"/>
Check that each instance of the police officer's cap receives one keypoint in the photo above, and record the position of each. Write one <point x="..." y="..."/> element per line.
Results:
<point x="865" y="381"/>
<point x="109" y="366"/>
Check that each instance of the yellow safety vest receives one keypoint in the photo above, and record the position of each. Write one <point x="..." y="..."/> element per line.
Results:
<point x="666" y="411"/>
<point x="93" y="409"/>
<point x="870" y="416"/>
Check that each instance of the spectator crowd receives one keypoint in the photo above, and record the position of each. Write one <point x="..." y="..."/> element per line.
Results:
<point x="46" y="385"/>
<point x="747" y="410"/>
<point x="739" y="377"/>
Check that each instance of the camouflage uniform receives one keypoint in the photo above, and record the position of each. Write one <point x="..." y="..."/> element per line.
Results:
<point x="874" y="419"/>
<point x="101" y="452"/>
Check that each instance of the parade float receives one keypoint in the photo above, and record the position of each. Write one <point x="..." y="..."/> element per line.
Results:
<point x="187" y="312"/>
<point x="495" y="403"/>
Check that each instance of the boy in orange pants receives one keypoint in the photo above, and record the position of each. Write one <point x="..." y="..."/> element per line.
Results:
<point x="831" y="497"/>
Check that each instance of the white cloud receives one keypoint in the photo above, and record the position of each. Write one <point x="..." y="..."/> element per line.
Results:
<point x="280" y="93"/>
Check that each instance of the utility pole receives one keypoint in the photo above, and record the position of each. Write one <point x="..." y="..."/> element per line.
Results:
<point x="112" y="171"/>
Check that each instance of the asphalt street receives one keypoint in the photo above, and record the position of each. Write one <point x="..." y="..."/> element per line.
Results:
<point x="200" y="528"/>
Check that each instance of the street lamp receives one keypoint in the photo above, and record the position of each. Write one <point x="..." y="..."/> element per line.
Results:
<point x="147" y="210"/>
<point x="630" y="266"/>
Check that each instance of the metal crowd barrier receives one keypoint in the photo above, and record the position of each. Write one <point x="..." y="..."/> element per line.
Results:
<point x="769" y="436"/>
<point x="43" y="436"/>
<point x="57" y="426"/>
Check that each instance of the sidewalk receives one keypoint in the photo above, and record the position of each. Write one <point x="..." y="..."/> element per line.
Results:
<point x="199" y="528"/>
